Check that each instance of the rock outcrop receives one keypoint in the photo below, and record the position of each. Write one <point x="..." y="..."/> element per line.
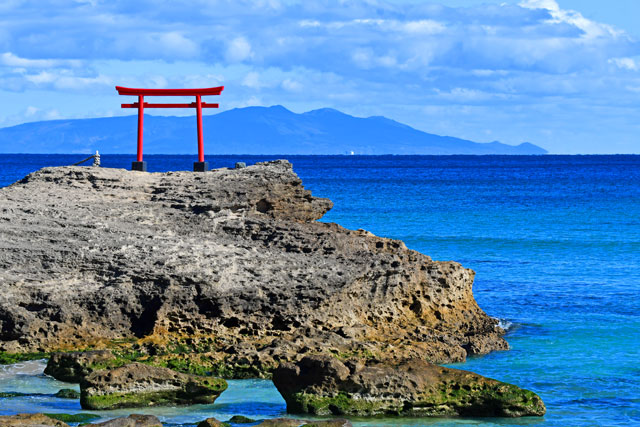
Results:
<point x="72" y="367"/>
<point x="138" y="385"/>
<point x="323" y="385"/>
<point x="225" y="272"/>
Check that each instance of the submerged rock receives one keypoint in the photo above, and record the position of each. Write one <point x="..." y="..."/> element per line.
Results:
<point x="226" y="271"/>
<point x="340" y="422"/>
<point x="73" y="366"/>
<point x="281" y="422"/>
<point x="133" y="420"/>
<point x="139" y="385"/>
<point x="323" y="385"/>
<point x="241" y="419"/>
<point x="67" y="393"/>
<point x="212" y="422"/>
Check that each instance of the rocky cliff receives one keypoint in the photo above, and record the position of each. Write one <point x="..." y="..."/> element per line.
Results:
<point x="230" y="265"/>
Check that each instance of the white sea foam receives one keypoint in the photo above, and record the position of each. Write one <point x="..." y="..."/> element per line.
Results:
<point x="31" y="367"/>
<point x="504" y="323"/>
<point x="28" y="377"/>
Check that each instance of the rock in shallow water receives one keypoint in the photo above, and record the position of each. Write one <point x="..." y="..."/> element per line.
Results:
<point x="323" y="385"/>
<point x="139" y="385"/>
<point x="73" y="366"/>
<point x="67" y="393"/>
<point x="133" y="420"/>
<point x="212" y="422"/>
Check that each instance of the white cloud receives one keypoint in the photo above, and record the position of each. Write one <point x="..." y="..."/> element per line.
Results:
<point x="11" y="60"/>
<point x="177" y="44"/>
<point x="64" y="80"/>
<point x="291" y="85"/>
<point x="540" y="4"/>
<point x="626" y="63"/>
<point x="252" y="80"/>
<point x="238" y="50"/>
<point x="466" y="95"/>
<point x="204" y="80"/>
<point x="591" y="29"/>
<point x="424" y="26"/>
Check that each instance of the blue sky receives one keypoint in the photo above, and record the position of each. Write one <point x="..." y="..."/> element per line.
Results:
<point x="563" y="74"/>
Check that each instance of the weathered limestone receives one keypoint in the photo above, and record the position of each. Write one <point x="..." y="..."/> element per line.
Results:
<point x="225" y="272"/>
<point x="139" y="385"/>
<point x="323" y="385"/>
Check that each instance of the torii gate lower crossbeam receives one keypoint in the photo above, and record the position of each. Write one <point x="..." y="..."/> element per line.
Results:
<point x="200" y="165"/>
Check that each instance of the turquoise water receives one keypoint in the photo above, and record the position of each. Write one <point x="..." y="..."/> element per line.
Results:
<point x="555" y="243"/>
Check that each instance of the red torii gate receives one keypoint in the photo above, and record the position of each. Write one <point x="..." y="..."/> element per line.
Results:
<point x="200" y="165"/>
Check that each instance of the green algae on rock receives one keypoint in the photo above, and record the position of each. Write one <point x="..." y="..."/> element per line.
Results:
<point x="240" y="419"/>
<point x="67" y="393"/>
<point x="12" y="394"/>
<point x="11" y="358"/>
<point x="139" y="385"/>
<point x="73" y="418"/>
<point x="322" y="385"/>
<point x="213" y="422"/>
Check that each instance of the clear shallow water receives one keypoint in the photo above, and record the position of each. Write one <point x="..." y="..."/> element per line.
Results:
<point x="555" y="243"/>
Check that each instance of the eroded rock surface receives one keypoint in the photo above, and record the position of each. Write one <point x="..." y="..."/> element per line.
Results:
<point x="323" y="385"/>
<point x="30" y="420"/>
<point x="139" y="385"/>
<point x="229" y="265"/>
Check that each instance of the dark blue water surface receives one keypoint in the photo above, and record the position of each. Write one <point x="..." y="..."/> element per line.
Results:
<point x="554" y="240"/>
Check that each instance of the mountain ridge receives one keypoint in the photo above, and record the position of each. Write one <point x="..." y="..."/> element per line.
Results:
<point x="249" y="130"/>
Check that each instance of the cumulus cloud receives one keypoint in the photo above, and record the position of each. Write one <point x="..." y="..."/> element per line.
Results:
<point x="291" y="85"/>
<point x="238" y="50"/>
<point x="590" y="28"/>
<point x="625" y="63"/>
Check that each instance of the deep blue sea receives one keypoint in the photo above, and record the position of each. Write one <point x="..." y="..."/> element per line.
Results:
<point x="555" y="243"/>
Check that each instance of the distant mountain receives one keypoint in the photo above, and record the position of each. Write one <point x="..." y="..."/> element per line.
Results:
<point x="251" y="130"/>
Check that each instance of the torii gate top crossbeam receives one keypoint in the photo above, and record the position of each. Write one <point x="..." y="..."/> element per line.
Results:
<point x="169" y="92"/>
